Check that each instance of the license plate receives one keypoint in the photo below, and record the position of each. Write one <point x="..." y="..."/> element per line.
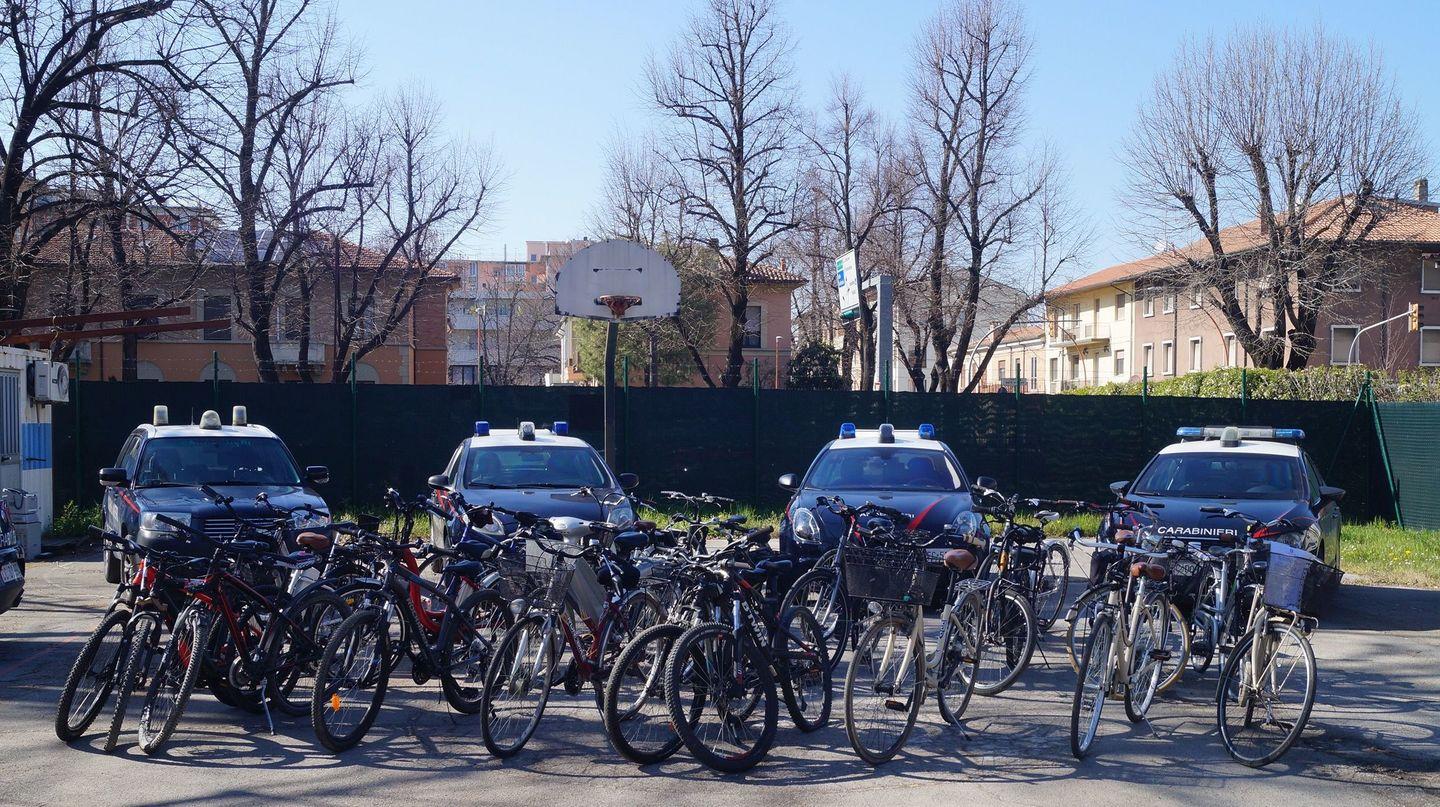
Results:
<point x="936" y="555"/>
<point x="9" y="573"/>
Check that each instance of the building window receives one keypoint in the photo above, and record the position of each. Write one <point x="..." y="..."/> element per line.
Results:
<point x="1122" y="302"/>
<point x="289" y="320"/>
<point x="1034" y="369"/>
<point x="1197" y="299"/>
<point x="1120" y="363"/>
<point x="1430" y="274"/>
<point x="533" y="257"/>
<point x="1168" y="349"/>
<point x="1231" y="358"/>
<point x="141" y="303"/>
<point x="216" y="307"/>
<point x="752" y="326"/>
<point x="1149" y="305"/>
<point x="1342" y="343"/>
<point x="1430" y="346"/>
<point x="1054" y="373"/>
<point x="1197" y="354"/>
<point x="1147" y="358"/>
<point x="1074" y="367"/>
<point x="462" y="374"/>
<point x="1169" y="307"/>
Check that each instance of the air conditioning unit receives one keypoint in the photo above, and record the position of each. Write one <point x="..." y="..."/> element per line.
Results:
<point x="49" y="381"/>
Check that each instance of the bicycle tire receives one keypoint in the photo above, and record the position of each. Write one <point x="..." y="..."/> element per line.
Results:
<point x="1094" y="676"/>
<point x="490" y="616"/>
<point x="642" y="735"/>
<point x="1048" y="612"/>
<point x="835" y="602"/>
<point x="193" y="628"/>
<point x="1015" y="636"/>
<point x="638" y="611"/>
<point x="310" y="632"/>
<point x="145" y="631"/>
<point x="1233" y="668"/>
<point x="507" y="664"/>
<point x="882" y="630"/>
<point x="1178" y="633"/>
<point x="1150" y="636"/>
<point x="1081" y="615"/>
<point x="70" y="725"/>
<point x="686" y="713"/>
<point x="809" y="666"/>
<point x="960" y="663"/>
<point x="326" y="694"/>
<point x="1204" y="616"/>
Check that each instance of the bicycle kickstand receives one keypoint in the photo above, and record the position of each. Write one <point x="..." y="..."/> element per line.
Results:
<point x="265" y="704"/>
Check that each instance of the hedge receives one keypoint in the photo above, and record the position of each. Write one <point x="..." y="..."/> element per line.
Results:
<point x="1311" y="384"/>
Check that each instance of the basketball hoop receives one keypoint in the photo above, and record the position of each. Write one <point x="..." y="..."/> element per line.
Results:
<point x="618" y="303"/>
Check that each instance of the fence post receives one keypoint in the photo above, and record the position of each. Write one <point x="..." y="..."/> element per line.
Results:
<point x="1340" y="444"/>
<point x="1144" y="384"/>
<point x="625" y="411"/>
<point x="755" y="445"/>
<point x="215" y="376"/>
<point x="354" y="439"/>
<point x="1244" y="396"/>
<point x="1385" y="457"/>
<point x="75" y="408"/>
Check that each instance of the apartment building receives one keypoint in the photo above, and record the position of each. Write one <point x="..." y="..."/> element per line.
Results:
<point x="500" y="315"/>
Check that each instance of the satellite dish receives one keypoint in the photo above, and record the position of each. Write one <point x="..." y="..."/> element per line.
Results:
<point x="617" y="280"/>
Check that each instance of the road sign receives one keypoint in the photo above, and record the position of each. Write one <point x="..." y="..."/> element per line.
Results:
<point x="611" y="270"/>
<point x="847" y="281"/>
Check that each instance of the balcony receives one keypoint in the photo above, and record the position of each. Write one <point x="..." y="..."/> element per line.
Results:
<point x="288" y="353"/>
<point x="461" y="355"/>
<point x="1084" y="334"/>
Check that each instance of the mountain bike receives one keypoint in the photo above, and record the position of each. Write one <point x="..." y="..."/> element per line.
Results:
<point x="1008" y="627"/>
<point x="1267" y="686"/>
<point x="1034" y="566"/>
<point x="891" y="670"/>
<point x="721" y="676"/>
<point x="1125" y="648"/>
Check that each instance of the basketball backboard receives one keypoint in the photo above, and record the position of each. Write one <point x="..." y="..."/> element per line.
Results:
<point x="613" y="269"/>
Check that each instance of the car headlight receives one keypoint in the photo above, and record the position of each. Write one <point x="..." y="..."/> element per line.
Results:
<point x="307" y="520"/>
<point x="805" y="527"/>
<point x="622" y="515"/>
<point x="152" y="527"/>
<point x="493" y="528"/>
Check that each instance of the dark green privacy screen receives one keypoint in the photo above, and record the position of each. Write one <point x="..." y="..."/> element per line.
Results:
<point x="1412" y="441"/>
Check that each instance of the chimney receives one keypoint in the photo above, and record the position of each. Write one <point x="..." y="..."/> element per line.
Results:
<point x="1422" y="190"/>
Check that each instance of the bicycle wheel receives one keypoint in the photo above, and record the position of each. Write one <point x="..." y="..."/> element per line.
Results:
<point x="1176" y="647"/>
<point x="174" y="680"/>
<point x="1081" y="615"/>
<point x="1204" y="625"/>
<point x="1262" y="713"/>
<point x="469" y="647"/>
<point x="135" y="673"/>
<point x="710" y="680"/>
<point x="805" y="682"/>
<point x="1008" y="642"/>
<point x="221" y="654"/>
<point x="636" y="717"/>
<point x="517" y="684"/>
<point x="637" y="612"/>
<point x="823" y="592"/>
<point x="1146" y="657"/>
<point x="883" y="690"/>
<point x="1052" y="583"/>
<point x="306" y="631"/>
<point x="959" y="659"/>
<point x="92" y="676"/>
<point x="350" y="680"/>
<point x="1092" y="684"/>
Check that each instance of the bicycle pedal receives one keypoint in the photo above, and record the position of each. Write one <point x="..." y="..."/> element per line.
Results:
<point x="1160" y="655"/>
<point x="896" y="705"/>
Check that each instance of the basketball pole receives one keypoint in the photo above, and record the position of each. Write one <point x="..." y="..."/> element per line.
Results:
<point x="612" y="331"/>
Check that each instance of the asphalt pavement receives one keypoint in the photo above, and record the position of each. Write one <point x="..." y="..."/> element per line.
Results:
<point x="1374" y="737"/>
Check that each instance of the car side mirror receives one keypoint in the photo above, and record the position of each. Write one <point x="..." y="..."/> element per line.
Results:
<point x="1118" y="488"/>
<point x="438" y="481"/>
<point x="114" y="477"/>
<point x="1331" y="494"/>
<point x="789" y="482"/>
<point x="987" y="482"/>
<point x="629" y="481"/>
<point x="317" y="474"/>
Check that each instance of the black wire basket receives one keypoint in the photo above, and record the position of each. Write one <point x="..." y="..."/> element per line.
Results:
<point x="889" y="574"/>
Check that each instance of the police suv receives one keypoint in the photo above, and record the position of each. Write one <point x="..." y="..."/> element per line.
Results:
<point x="1262" y="472"/>
<point x="542" y="471"/>
<point x="162" y="467"/>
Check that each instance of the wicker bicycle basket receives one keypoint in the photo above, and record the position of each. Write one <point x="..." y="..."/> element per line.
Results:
<point x="889" y="574"/>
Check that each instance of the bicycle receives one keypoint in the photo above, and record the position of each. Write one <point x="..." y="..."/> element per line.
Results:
<point x="721" y="675"/>
<point x="1037" y="567"/>
<point x="1124" y="651"/>
<point x="526" y="662"/>
<point x="692" y="520"/>
<point x="891" y="671"/>
<point x="1008" y="626"/>
<point x="1273" y="655"/>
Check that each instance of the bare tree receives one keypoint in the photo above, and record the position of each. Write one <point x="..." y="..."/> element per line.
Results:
<point x="978" y="183"/>
<point x="726" y="87"/>
<point x="1300" y="132"/>
<point x="517" y="324"/>
<point x="51" y="48"/>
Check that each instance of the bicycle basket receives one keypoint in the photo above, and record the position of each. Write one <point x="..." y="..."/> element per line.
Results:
<point x="547" y="577"/>
<point x="1185" y="573"/>
<point x="889" y="574"/>
<point x="1293" y="580"/>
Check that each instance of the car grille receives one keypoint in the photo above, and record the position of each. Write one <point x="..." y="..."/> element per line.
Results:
<point x="219" y="529"/>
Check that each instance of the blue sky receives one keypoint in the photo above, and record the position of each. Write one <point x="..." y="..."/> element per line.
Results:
<point x="548" y="81"/>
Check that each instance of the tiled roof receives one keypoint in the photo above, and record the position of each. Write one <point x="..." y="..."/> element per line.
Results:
<point x="1407" y="222"/>
<point x="771" y="273"/>
<point x="220" y="247"/>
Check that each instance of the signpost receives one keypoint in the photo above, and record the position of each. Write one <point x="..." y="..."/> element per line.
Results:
<point x="847" y="281"/>
<point x="616" y="281"/>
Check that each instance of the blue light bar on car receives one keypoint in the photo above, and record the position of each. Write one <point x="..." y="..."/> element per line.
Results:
<point x="1242" y="432"/>
<point x="927" y="431"/>
<point x="847" y="430"/>
<point x="560" y="428"/>
<point x="1189" y="431"/>
<point x="1290" y="434"/>
<point x="482" y="428"/>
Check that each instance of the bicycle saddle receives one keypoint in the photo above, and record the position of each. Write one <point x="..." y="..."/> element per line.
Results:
<point x="1154" y="571"/>
<point x="464" y="568"/>
<point x="314" y="541"/>
<point x="960" y="559"/>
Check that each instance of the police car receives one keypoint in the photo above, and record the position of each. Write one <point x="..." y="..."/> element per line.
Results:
<point x="542" y="471"/>
<point x="909" y="470"/>
<point x="162" y="467"/>
<point x="1262" y="472"/>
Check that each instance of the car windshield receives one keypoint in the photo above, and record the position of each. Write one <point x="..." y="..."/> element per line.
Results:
<point x="885" y="468"/>
<point x="1221" y="476"/>
<point x="534" y="466"/>
<point x="216" y="461"/>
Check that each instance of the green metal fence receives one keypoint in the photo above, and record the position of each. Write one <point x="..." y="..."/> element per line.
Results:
<point x="729" y="442"/>
<point x="1411" y="438"/>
